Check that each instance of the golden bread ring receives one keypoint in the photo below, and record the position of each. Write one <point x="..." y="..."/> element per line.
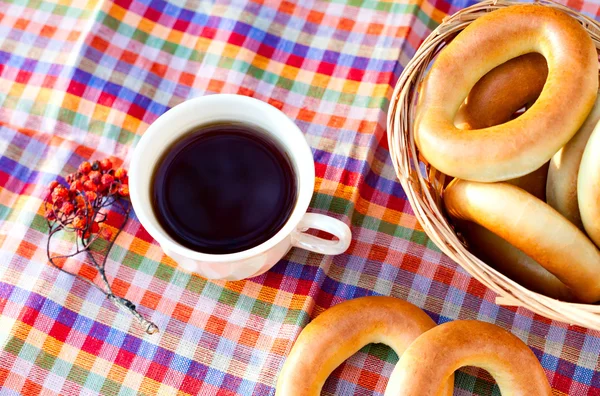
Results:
<point x="533" y="227"/>
<point x="341" y="331"/>
<point x="426" y="365"/>
<point x="524" y="144"/>
<point x="509" y="260"/>
<point x="588" y="187"/>
<point x="512" y="262"/>
<point x="503" y="91"/>
<point x="495" y="99"/>
<point x="561" y="187"/>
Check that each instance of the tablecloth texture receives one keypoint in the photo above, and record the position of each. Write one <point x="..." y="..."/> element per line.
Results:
<point x="84" y="79"/>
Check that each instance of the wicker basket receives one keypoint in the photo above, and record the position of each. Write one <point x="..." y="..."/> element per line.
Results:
<point x="423" y="184"/>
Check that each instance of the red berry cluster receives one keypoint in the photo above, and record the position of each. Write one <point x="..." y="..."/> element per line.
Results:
<point x="91" y="188"/>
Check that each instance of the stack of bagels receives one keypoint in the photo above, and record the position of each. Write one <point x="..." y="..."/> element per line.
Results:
<point x="429" y="354"/>
<point x="526" y="193"/>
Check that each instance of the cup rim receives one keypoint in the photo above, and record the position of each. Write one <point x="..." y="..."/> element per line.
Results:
<point x="300" y="157"/>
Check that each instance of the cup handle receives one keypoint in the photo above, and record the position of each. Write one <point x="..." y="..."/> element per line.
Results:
<point x="319" y="245"/>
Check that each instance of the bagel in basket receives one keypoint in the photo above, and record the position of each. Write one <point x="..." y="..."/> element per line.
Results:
<point x="532" y="226"/>
<point x="512" y="262"/>
<point x="522" y="145"/>
<point x="508" y="259"/>
<point x="562" y="184"/>
<point x="495" y="99"/>
<point x="588" y="187"/>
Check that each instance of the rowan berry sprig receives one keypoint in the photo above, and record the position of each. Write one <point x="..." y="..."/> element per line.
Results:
<point x="81" y="207"/>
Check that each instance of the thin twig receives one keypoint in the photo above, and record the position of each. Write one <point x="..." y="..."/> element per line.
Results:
<point x="123" y="303"/>
<point x="149" y="327"/>
<point x="52" y="258"/>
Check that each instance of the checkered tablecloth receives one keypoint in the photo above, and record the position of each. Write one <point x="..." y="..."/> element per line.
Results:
<point x="83" y="79"/>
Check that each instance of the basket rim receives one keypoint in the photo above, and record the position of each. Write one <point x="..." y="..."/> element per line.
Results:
<point x="421" y="194"/>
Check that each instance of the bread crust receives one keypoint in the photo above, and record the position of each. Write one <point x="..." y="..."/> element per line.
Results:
<point x="524" y="144"/>
<point x="563" y="174"/>
<point x="435" y="355"/>
<point x="588" y="186"/>
<point x="512" y="262"/>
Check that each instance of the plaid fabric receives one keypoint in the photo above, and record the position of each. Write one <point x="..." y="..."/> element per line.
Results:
<point x="83" y="79"/>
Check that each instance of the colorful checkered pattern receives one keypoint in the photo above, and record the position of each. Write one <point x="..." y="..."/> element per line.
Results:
<point x="83" y="79"/>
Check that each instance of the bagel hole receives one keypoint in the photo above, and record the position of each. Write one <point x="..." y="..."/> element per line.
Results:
<point x="527" y="102"/>
<point x="362" y="373"/>
<point x="476" y="380"/>
<point x="521" y="111"/>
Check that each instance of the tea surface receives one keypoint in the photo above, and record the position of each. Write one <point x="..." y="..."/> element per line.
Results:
<point x="223" y="189"/>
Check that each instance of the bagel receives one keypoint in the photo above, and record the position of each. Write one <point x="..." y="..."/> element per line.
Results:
<point x="425" y="366"/>
<point x="512" y="262"/>
<point x="495" y="99"/>
<point x="588" y="186"/>
<point x="533" y="227"/>
<point x="341" y="331"/>
<point x="561" y="187"/>
<point x="509" y="260"/>
<point x="524" y="144"/>
<point x="503" y="91"/>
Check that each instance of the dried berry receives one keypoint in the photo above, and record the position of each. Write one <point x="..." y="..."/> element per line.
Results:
<point x="96" y="165"/>
<point x="76" y="186"/>
<point x="95" y="176"/>
<point x="85" y="167"/>
<point x="120" y="173"/>
<point x="91" y="196"/>
<point x="89" y="186"/>
<point x="49" y="214"/>
<point x="67" y="208"/>
<point x="106" y="164"/>
<point x="59" y="194"/>
<point x="53" y="185"/>
<point x="124" y="190"/>
<point x="107" y="180"/>
<point x="79" y="222"/>
<point x="79" y="201"/>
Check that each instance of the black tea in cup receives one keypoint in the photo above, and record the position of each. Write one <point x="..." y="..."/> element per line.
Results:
<point x="223" y="188"/>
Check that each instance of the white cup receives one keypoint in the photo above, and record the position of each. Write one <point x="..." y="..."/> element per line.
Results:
<point x="187" y="117"/>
